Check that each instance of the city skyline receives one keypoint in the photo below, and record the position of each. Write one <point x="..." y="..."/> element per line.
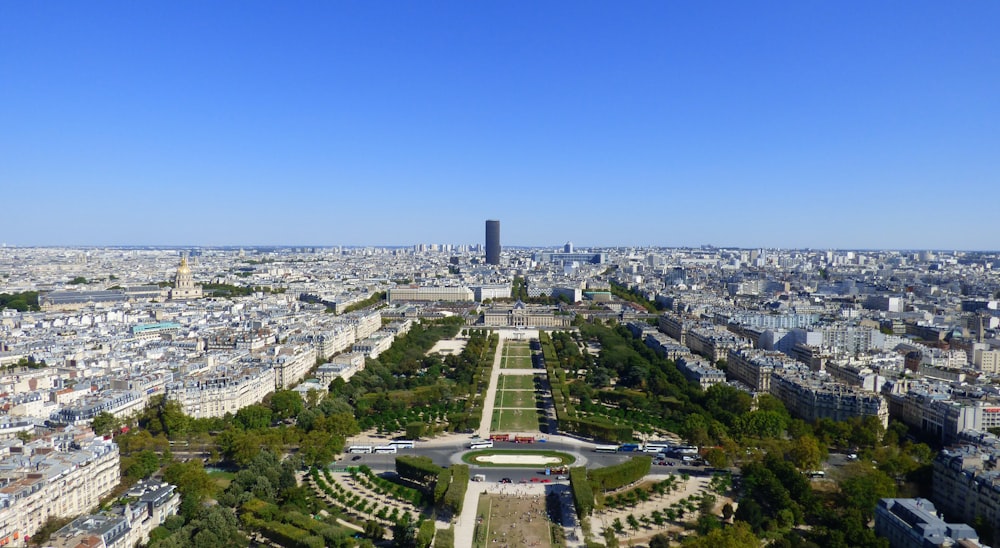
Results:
<point x="826" y="127"/>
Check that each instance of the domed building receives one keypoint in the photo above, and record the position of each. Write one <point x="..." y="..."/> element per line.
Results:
<point x="184" y="287"/>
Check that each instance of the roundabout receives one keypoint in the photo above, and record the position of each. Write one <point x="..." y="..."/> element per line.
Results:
<point x="517" y="458"/>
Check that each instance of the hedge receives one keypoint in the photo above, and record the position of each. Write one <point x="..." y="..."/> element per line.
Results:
<point x="455" y="495"/>
<point x="583" y="492"/>
<point x="425" y="534"/>
<point x="443" y="481"/>
<point x="419" y="469"/>
<point x="612" y="477"/>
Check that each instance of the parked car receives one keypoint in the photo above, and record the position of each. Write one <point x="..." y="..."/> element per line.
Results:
<point x="506" y="480"/>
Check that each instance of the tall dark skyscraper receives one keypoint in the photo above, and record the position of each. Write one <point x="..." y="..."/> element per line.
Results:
<point x="493" y="242"/>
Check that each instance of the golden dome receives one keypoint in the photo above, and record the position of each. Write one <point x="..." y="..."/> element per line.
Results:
<point x="184" y="268"/>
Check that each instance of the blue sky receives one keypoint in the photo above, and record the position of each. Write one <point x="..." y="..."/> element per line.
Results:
<point x="777" y="124"/>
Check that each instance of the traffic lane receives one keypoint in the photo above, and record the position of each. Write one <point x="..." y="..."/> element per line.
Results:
<point x="446" y="455"/>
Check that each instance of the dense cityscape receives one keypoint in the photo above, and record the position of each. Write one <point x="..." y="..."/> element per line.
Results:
<point x="442" y="394"/>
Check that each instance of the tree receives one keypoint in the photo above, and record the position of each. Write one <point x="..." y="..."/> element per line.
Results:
<point x="318" y="448"/>
<point x="716" y="458"/>
<point x="141" y="465"/>
<point x="863" y="487"/>
<point x="173" y="419"/>
<point x="734" y="536"/>
<point x="806" y="453"/>
<point x="610" y="540"/>
<point x="105" y="423"/>
<point x="253" y="417"/>
<point x="414" y="430"/>
<point x="374" y="530"/>
<point x="633" y="523"/>
<point x="404" y="533"/>
<point x="286" y="404"/>
<point x="659" y="541"/>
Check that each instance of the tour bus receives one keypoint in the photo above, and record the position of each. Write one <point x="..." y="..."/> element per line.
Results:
<point x="629" y="447"/>
<point x="481" y="444"/>
<point x="359" y="449"/>
<point x="606" y="448"/>
<point x="385" y="449"/>
<point x="687" y="450"/>
<point x="656" y="447"/>
<point x="403" y="444"/>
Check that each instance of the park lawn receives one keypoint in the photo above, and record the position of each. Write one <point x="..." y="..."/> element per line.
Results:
<point x="518" y="350"/>
<point x="517" y="362"/>
<point x="517" y="382"/>
<point x="472" y="457"/>
<point x="517" y="398"/>
<point x="515" y="420"/>
<point x="507" y="520"/>
<point x="222" y="479"/>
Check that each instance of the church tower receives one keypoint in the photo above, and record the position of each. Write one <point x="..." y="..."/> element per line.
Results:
<point x="184" y="287"/>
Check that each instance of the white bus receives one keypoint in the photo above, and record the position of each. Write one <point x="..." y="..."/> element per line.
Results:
<point x="359" y="449"/>
<point x="403" y="444"/>
<point x="656" y="447"/>
<point x="606" y="448"/>
<point x="385" y="449"/>
<point x="481" y="444"/>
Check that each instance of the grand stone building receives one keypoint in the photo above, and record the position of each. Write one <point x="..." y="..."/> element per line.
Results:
<point x="184" y="286"/>
<point x="522" y="315"/>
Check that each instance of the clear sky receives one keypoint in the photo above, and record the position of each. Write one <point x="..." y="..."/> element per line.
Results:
<point x="777" y="124"/>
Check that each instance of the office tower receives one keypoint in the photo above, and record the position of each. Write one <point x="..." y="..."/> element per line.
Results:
<point x="493" y="242"/>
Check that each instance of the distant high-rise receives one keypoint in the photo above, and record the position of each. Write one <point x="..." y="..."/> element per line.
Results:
<point x="568" y="248"/>
<point x="493" y="242"/>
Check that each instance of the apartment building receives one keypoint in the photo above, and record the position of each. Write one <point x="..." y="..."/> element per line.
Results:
<point x="714" y="343"/>
<point x="754" y="367"/>
<point x="226" y="389"/>
<point x="666" y="346"/>
<point x="61" y="476"/>
<point x="676" y="326"/>
<point x="122" y="526"/>
<point x="699" y="371"/>
<point x="966" y="482"/>
<point x="914" y="523"/>
<point x="810" y="396"/>
<point x="291" y="364"/>
<point x="939" y="414"/>
<point x="374" y="345"/>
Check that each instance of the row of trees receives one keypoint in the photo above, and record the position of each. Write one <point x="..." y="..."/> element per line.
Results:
<point x="555" y="350"/>
<point x="22" y="302"/>
<point x="375" y="298"/>
<point x="773" y="447"/>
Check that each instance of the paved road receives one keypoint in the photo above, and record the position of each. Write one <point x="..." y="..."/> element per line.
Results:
<point x="449" y="450"/>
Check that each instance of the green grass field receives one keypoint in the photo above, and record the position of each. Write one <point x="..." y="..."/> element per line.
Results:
<point x="514" y="420"/>
<point x="517" y="382"/>
<point x="473" y="457"/>
<point x="516" y="362"/>
<point x="511" y="521"/>
<point x="516" y="398"/>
